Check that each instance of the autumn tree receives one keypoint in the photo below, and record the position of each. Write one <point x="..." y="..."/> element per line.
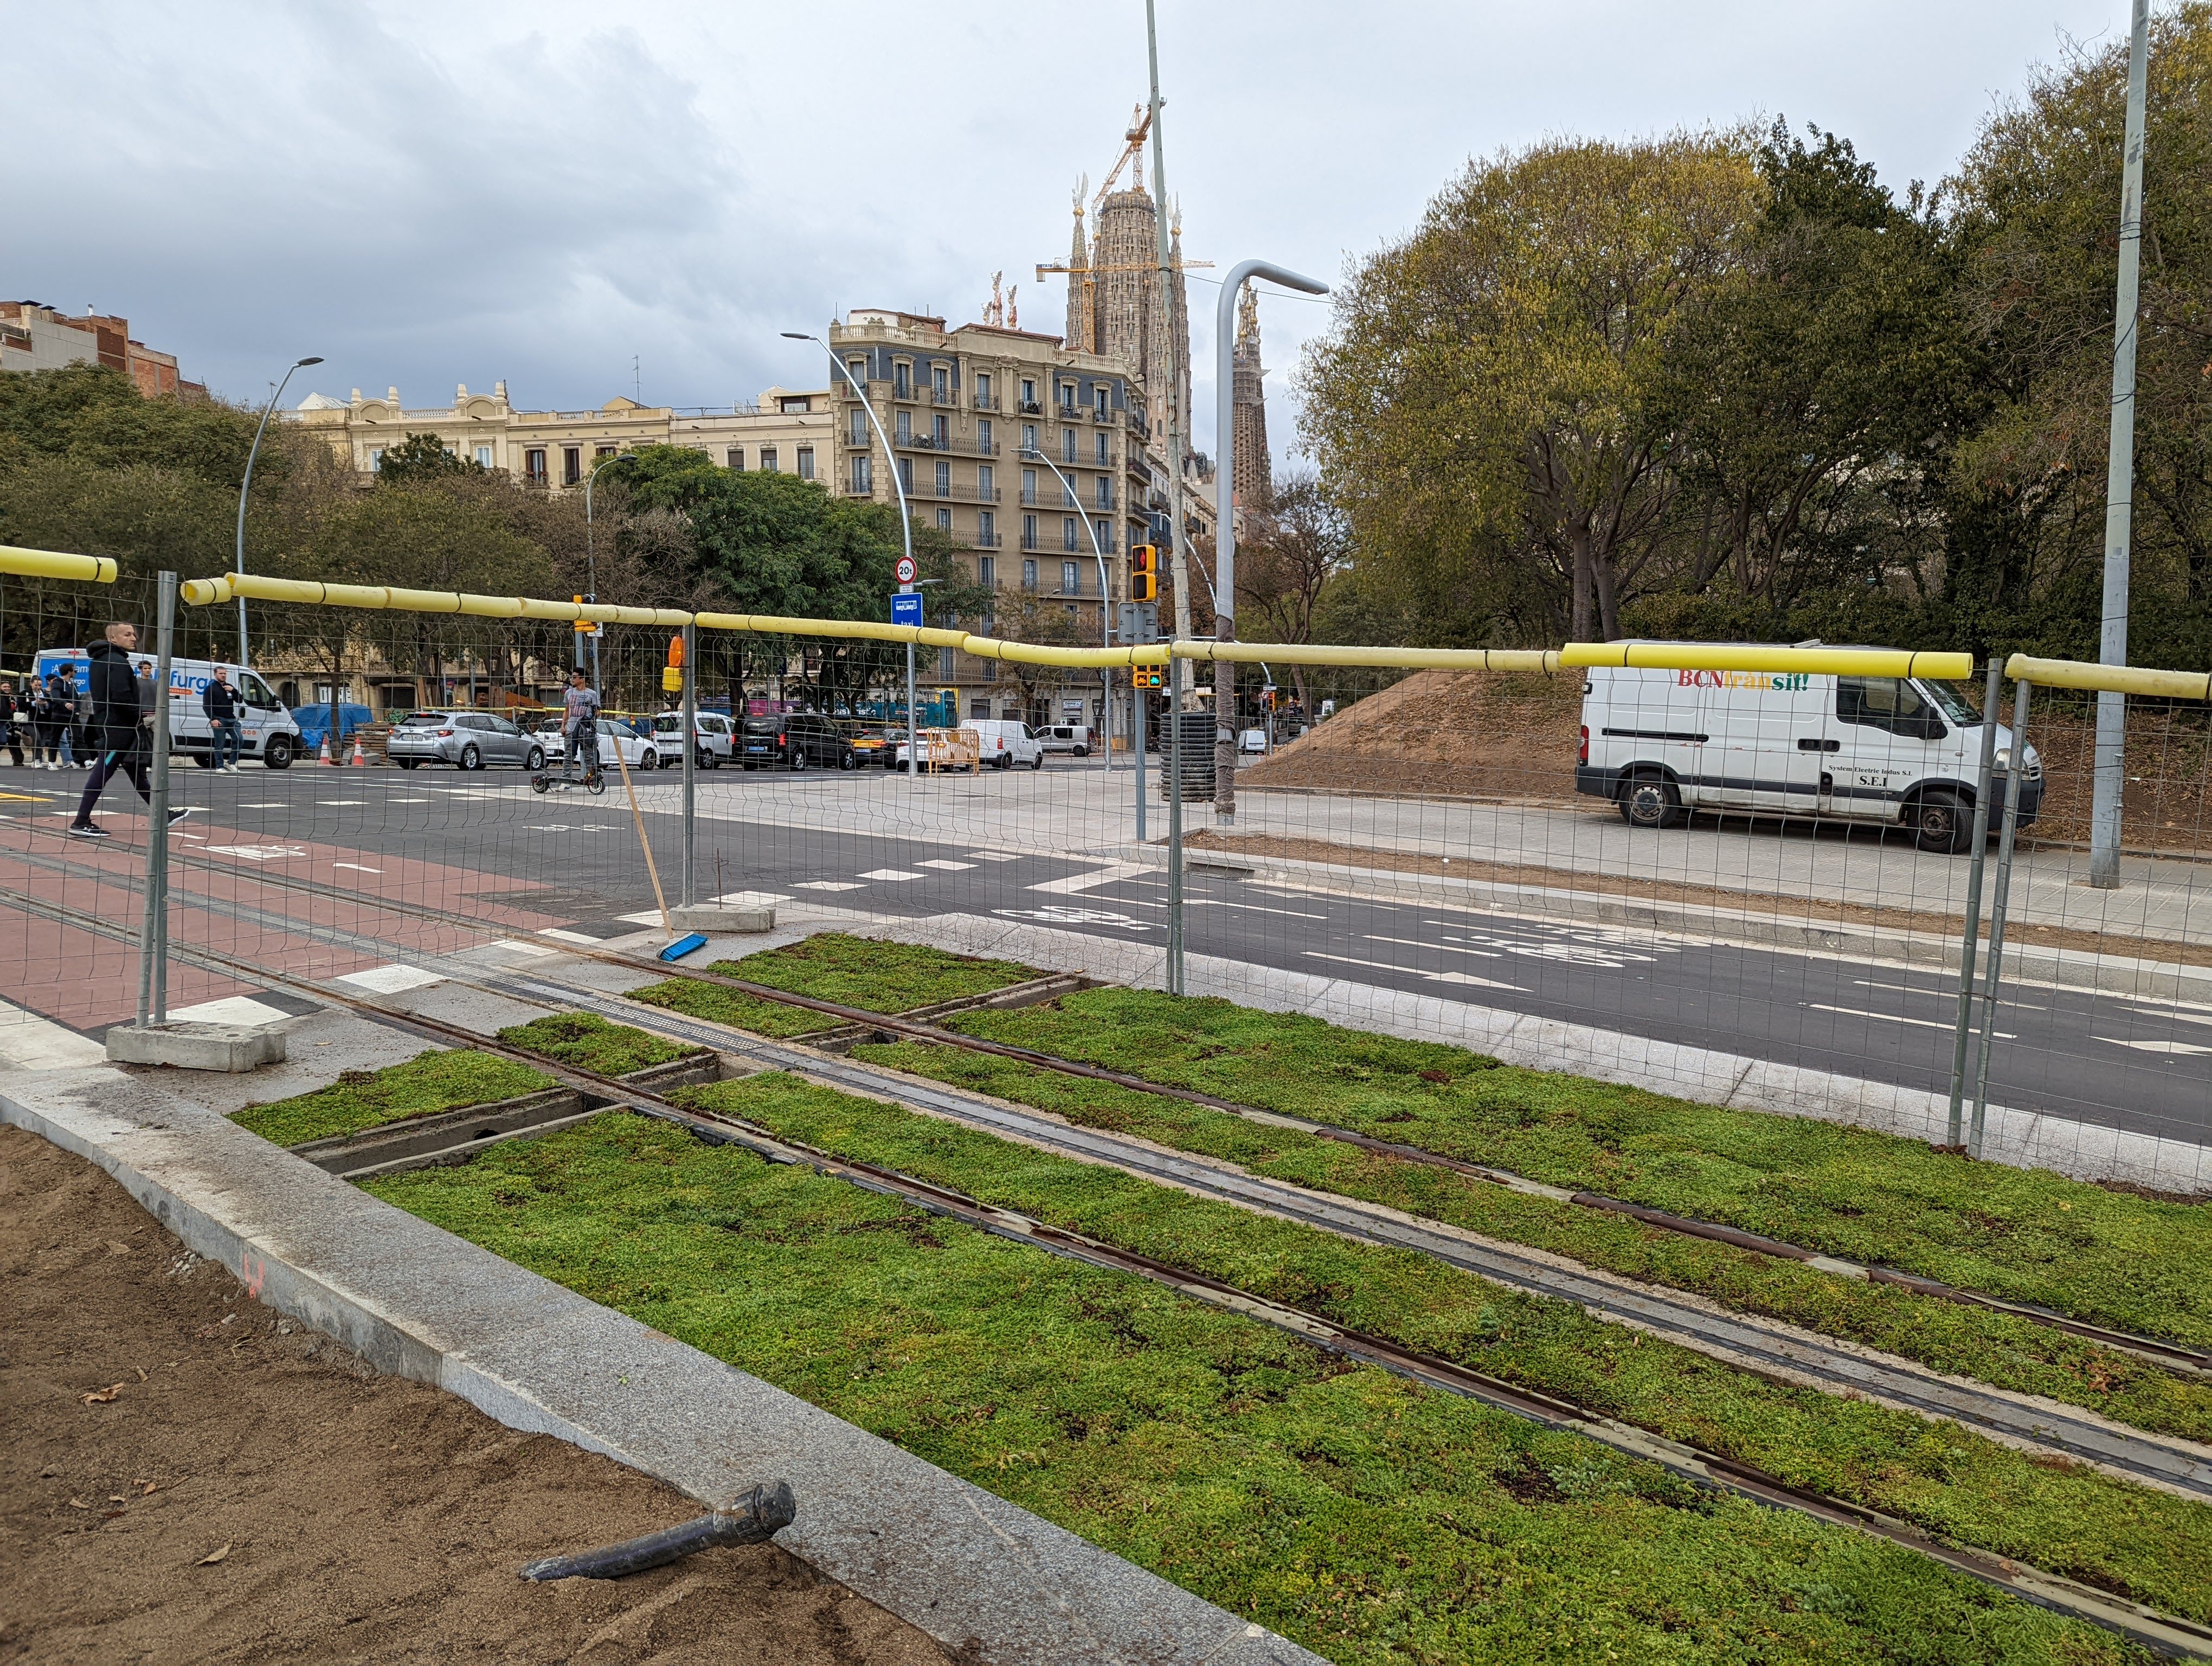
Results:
<point x="1286" y="557"/>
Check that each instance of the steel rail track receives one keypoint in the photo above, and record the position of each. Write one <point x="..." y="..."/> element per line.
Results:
<point x="2171" y="1634"/>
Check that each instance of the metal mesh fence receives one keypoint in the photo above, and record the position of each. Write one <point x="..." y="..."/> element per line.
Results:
<point x="1743" y="886"/>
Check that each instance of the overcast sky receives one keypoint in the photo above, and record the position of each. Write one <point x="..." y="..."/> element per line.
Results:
<point x="430" y="194"/>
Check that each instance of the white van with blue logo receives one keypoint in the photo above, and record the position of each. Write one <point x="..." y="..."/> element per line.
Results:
<point x="269" y="732"/>
<point x="1899" y="750"/>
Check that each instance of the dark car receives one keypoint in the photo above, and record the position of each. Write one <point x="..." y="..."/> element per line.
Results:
<point x="795" y="740"/>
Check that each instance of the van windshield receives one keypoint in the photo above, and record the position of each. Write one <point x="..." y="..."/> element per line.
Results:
<point x="1952" y="698"/>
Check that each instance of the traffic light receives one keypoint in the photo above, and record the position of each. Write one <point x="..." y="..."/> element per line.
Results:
<point x="1144" y="676"/>
<point x="1144" y="573"/>
<point x="672" y="674"/>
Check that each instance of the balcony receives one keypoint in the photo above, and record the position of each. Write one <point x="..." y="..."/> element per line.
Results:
<point x="985" y="402"/>
<point x="950" y="445"/>
<point x="954" y="493"/>
<point x="935" y="399"/>
<point x="987" y="541"/>
<point x="1028" y="408"/>
<point x="1031" y="541"/>
<point x="1106" y="417"/>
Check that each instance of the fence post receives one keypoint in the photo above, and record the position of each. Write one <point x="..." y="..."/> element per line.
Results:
<point x="1175" y="828"/>
<point x="154" y="925"/>
<point x="1989" y="698"/>
<point x="691" y="760"/>
<point x="1137" y="700"/>
<point x="2014" y="781"/>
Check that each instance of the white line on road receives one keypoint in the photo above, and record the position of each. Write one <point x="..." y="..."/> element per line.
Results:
<point x="1433" y="978"/>
<point x="829" y="884"/>
<point x="561" y="935"/>
<point x="1418" y="943"/>
<point x="1079" y="882"/>
<point x="889" y="874"/>
<point x="391" y="980"/>
<point x="941" y="864"/>
<point x="2184" y="1048"/>
<point x="1896" y="1017"/>
<point x="357" y="867"/>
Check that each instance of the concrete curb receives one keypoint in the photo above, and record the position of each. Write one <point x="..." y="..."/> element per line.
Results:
<point x="987" y="1579"/>
<point x="2021" y="1140"/>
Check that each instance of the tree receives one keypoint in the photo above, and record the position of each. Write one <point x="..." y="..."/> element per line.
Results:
<point x="422" y="457"/>
<point x="1285" y="560"/>
<point x="1479" y="406"/>
<point x="1023" y="615"/>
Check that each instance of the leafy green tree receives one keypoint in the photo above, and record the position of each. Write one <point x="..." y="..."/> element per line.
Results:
<point x="422" y="457"/>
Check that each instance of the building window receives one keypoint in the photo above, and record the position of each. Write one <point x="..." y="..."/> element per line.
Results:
<point x="1071" y="579"/>
<point x="1028" y="395"/>
<point x="1101" y="400"/>
<point x="940" y="383"/>
<point x="606" y="451"/>
<point x="1067" y="533"/>
<point x="944" y="477"/>
<point x="1028" y="533"/>
<point x="980" y="706"/>
<point x="944" y="665"/>
<point x="939" y="435"/>
<point x="986" y="481"/>
<point x="864" y="474"/>
<point x="860" y="426"/>
<point x="1028" y="576"/>
<point x="1105" y="491"/>
<point x="984" y="390"/>
<point x="1068" y="494"/>
<point x="986" y="441"/>
<point x="483" y="457"/>
<point x="1105" y="531"/>
<point x="1067" y="395"/>
<point x="533" y="467"/>
<point x="1068" y="443"/>
<point x="572" y="465"/>
<point x="1105" y="456"/>
<point x="1029" y="485"/>
<point x="901" y="381"/>
<point x="906" y="475"/>
<point x="902" y="426"/>
<point x="376" y="459"/>
<point x="857" y="369"/>
<point x="736" y="458"/>
<point x="767" y="460"/>
<point x="987" y="569"/>
<point x="1029" y="436"/>
<point x="987" y="527"/>
<point x="807" y="462"/>
<point x="798" y="405"/>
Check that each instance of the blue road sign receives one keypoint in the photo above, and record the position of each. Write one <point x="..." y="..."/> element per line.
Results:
<point x="906" y="609"/>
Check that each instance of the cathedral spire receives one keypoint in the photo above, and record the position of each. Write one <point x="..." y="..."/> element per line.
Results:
<point x="1077" y="336"/>
<point x="1254" y="482"/>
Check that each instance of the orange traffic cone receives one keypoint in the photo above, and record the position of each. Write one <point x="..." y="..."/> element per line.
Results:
<point x="360" y="759"/>
<point x="323" y="752"/>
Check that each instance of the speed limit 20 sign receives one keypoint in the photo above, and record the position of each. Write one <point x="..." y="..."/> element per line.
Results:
<point x="906" y="569"/>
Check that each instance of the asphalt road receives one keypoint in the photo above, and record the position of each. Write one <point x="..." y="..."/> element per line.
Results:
<point x="2143" y="1065"/>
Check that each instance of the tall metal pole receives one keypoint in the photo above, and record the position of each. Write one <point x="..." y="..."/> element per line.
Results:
<point x="1980" y="848"/>
<point x="154" y="925"/>
<point x="2108" y="777"/>
<point x="1174" y="833"/>
<point x="1224" y="493"/>
<point x="1170" y="399"/>
<point x="1995" y="969"/>
<point x="906" y="531"/>
<point x="1105" y="602"/>
<point x="690" y="762"/>
<point x="591" y="573"/>
<point x="245" y="485"/>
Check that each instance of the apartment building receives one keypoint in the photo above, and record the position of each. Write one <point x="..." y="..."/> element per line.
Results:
<point x="33" y="336"/>
<point x="786" y="430"/>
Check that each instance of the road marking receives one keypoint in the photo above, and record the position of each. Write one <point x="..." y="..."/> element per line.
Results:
<point x="996" y="855"/>
<point x="1062" y="913"/>
<point x="561" y="935"/>
<point x="38" y="798"/>
<point x="1078" y="882"/>
<point x="259" y="853"/>
<point x="29" y="1041"/>
<point x="418" y="798"/>
<point x="941" y="864"/>
<point x="357" y="867"/>
<point x="343" y="804"/>
<point x="1417" y="943"/>
<point x="1415" y="971"/>
<point x="751" y="899"/>
<point x="515" y="945"/>
<point x="271" y="804"/>
<point x="2168" y="1012"/>
<point x="1899" y="1017"/>
<point x="829" y="884"/>
<point x="889" y="874"/>
<point x="2185" y="1048"/>
<point x="391" y="980"/>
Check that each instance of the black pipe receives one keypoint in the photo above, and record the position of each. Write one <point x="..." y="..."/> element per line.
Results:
<point x="750" y="1519"/>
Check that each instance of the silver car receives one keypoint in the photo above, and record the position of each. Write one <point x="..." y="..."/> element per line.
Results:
<point x="467" y="740"/>
<point x="710" y="729"/>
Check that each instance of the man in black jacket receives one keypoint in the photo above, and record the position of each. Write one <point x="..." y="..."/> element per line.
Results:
<point x="225" y="737"/>
<point x="122" y="739"/>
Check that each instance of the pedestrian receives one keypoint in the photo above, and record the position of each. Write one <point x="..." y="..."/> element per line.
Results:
<point x="55" y="703"/>
<point x="579" y="721"/>
<point x="118" y="728"/>
<point x="146" y="691"/>
<point x="13" y="716"/>
<point x="227" y="737"/>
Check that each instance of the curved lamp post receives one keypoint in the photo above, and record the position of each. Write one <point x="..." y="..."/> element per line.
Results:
<point x="591" y="569"/>
<point x="906" y="531"/>
<point x="245" y="485"/>
<point x="1030" y="454"/>
<point x="1225" y="491"/>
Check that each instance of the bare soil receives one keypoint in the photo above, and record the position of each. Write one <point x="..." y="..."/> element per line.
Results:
<point x="188" y="1477"/>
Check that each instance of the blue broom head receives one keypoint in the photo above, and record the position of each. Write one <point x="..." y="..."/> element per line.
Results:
<point x="684" y="946"/>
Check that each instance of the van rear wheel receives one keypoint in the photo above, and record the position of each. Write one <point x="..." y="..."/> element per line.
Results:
<point x="1940" y="822"/>
<point x="1650" y="801"/>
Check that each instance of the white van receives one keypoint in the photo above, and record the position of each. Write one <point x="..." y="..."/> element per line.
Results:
<point x="1899" y="750"/>
<point x="1007" y="742"/>
<point x="1072" y="737"/>
<point x="268" y="732"/>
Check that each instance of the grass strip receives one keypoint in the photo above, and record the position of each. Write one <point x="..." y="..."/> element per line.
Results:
<point x="589" y="1042"/>
<point x="440" y="1080"/>
<point x="2059" y="1516"/>
<point x="1375" y="1522"/>
<point x="2112" y="1257"/>
<point x="853" y="971"/>
<point x="1997" y="1348"/>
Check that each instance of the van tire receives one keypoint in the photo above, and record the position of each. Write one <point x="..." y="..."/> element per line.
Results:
<point x="1940" y="822"/>
<point x="1650" y="800"/>
<point x="276" y="752"/>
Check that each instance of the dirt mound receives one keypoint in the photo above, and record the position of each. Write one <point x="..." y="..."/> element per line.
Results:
<point x="1459" y="733"/>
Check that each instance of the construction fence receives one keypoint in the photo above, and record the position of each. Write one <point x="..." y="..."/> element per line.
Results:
<point x="1812" y="880"/>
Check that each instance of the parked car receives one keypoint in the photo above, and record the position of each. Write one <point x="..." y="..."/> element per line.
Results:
<point x="1074" y="737"/>
<point x="465" y="739"/>
<point x="1252" y="740"/>
<point x="869" y="746"/>
<point x="269" y="731"/>
<point x="1007" y="742"/>
<point x="638" y="750"/>
<point x="795" y="740"/>
<point x="1901" y="750"/>
<point x="710" y="730"/>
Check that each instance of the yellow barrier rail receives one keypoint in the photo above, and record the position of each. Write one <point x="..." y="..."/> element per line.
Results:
<point x="1417" y="659"/>
<point x="1819" y="661"/>
<point x="53" y="564"/>
<point x="2119" y="679"/>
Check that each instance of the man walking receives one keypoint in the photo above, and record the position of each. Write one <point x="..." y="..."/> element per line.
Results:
<point x="226" y="738"/>
<point x="115" y="729"/>
<point x="580" y="727"/>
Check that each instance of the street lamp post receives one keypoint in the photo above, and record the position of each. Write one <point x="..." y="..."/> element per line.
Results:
<point x="906" y="531"/>
<point x="246" y="485"/>
<point x="1030" y="454"/>
<point x="1225" y="492"/>
<point x="592" y="571"/>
